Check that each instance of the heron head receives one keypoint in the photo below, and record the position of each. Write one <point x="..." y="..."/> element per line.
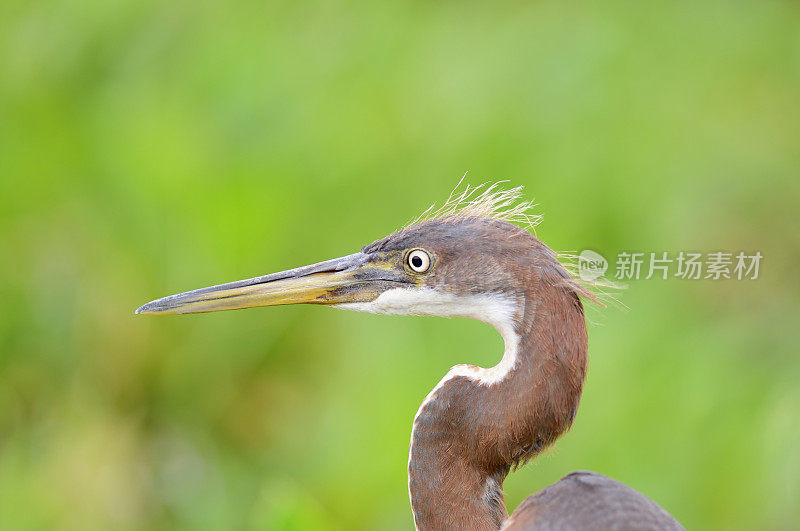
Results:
<point x="453" y="266"/>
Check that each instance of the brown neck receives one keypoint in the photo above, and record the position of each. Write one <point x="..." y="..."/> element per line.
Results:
<point x="468" y="434"/>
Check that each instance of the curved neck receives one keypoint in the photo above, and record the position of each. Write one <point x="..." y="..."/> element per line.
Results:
<point x="478" y="423"/>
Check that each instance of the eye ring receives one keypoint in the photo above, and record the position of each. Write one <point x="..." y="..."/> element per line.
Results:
<point x="418" y="260"/>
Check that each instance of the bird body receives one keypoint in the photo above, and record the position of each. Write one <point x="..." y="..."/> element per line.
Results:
<point x="587" y="500"/>
<point x="468" y="260"/>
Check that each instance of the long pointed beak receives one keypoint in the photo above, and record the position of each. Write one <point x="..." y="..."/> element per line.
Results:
<point x="341" y="280"/>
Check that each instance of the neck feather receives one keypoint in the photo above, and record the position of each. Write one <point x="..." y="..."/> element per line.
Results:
<point x="476" y="424"/>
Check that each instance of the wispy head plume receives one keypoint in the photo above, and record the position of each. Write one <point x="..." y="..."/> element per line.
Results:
<point x="487" y="200"/>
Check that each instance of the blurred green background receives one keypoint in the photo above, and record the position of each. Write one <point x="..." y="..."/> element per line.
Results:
<point x="149" y="147"/>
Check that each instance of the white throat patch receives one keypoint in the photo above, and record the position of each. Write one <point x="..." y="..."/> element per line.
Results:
<point x="496" y="310"/>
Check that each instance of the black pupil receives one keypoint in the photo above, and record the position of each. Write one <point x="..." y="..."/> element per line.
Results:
<point x="416" y="261"/>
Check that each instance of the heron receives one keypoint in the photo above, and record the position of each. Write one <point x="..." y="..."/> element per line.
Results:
<point x="471" y="258"/>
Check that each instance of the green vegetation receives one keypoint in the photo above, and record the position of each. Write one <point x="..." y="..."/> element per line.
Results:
<point x="150" y="147"/>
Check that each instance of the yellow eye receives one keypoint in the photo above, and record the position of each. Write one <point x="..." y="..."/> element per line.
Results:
<point x="419" y="261"/>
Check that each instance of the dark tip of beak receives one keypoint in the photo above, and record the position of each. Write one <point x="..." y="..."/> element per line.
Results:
<point x="150" y="307"/>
